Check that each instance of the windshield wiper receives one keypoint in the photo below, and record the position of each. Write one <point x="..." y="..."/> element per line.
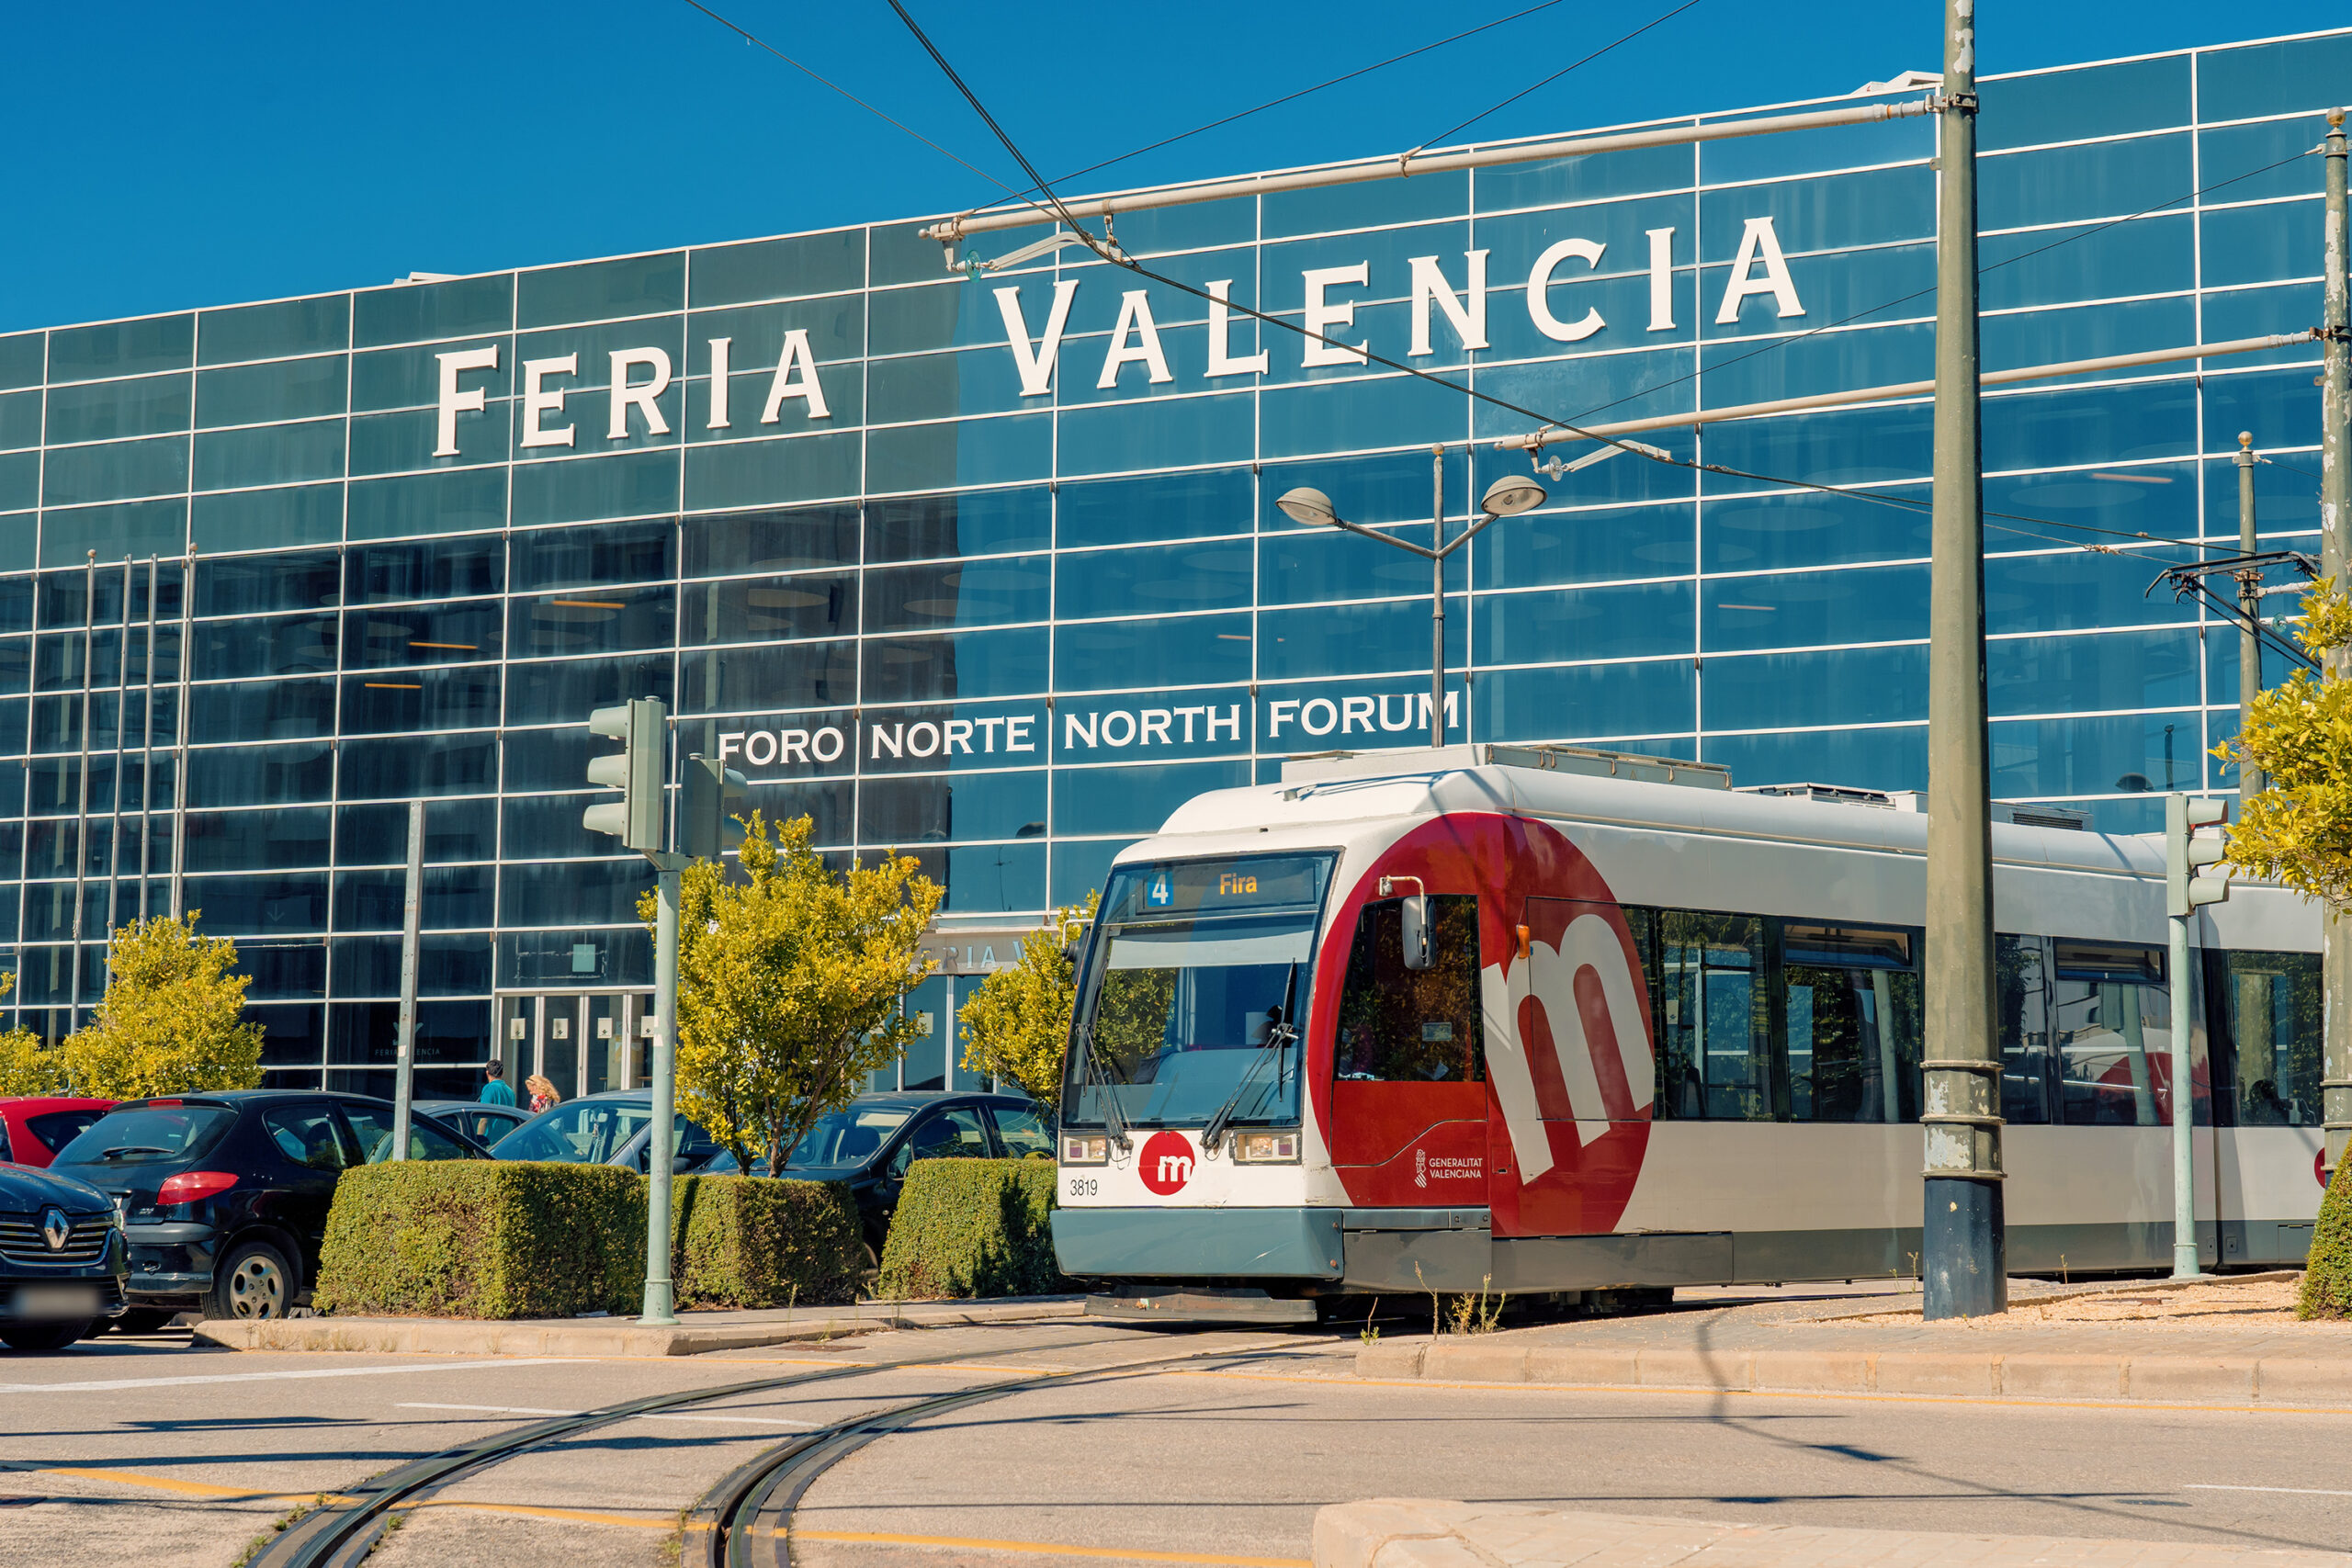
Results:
<point x="1115" y="1121"/>
<point x="1279" y="1035"/>
<point x="132" y="1149"/>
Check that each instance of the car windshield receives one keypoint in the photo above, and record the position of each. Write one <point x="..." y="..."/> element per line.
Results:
<point x="586" y="1131"/>
<point x="149" y="1134"/>
<point x="1196" y="967"/>
<point x="847" y="1136"/>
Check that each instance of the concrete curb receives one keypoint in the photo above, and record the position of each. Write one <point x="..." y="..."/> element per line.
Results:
<point x="608" y="1337"/>
<point x="2237" y="1380"/>
<point x="1409" y="1532"/>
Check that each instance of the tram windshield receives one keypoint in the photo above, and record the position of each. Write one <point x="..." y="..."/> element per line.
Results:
<point x="1195" y="993"/>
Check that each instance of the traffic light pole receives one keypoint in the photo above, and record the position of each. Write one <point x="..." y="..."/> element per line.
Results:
<point x="1963" y="1253"/>
<point x="2183" y="1152"/>
<point x="660" y="1302"/>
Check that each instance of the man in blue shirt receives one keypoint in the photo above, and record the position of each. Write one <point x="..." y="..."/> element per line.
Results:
<point x="496" y="1089"/>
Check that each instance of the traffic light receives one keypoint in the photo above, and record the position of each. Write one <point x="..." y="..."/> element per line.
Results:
<point x="2186" y="853"/>
<point x="641" y="726"/>
<point x="712" y="798"/>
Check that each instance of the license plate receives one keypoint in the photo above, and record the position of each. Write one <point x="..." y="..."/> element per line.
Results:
<point x="55" y="1302"/>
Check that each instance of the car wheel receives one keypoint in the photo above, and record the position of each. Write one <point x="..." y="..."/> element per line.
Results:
<point x="43" y="1336"/>
<point x="252" y="1281"/>
<point x="144" y="1320"/>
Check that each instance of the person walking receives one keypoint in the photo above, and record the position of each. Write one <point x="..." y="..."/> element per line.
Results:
<point x="496" y="1089"/>
<point x="543" y="1093"/>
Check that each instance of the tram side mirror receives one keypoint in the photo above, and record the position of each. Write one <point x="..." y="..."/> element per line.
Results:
<point x="1414" y="919"/>
<point x="1075" y="945"/>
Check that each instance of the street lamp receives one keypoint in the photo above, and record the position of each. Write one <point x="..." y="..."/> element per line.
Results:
<point x="1507" y="497"/>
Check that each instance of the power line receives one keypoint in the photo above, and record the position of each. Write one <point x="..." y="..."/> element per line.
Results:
<point x="758" y="42"/>
<point x="1364" y="355"/>
<point x="1308" y="92"/>
<point x="1604" y="49"/>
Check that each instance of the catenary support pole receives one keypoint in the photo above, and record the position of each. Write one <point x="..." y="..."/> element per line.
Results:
<point x="2250" y="604"/>
<point x="411" y="924"/>
<point x="121" y="724"/>
<point x="81" y="808"/>
<point x="2335" y="529"/>
<point x="659" y="1300"/>
<point x="1437" y="596"/>
<point x="1963" y="1251"/>
<point x="179" y="734"/>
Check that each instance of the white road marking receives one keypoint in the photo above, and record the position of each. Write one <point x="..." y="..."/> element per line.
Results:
<point x="529" y="1410"/>
<point x="105" y="1384"/>
<point x="2297" y="1491"/>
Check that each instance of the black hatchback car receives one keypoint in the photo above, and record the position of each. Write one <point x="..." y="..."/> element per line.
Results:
<point x="61" y="1258"/>
<point x="870" y="1142"/>
<point x="224" y="1197"/>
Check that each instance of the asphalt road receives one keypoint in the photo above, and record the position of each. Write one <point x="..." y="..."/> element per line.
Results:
<point x="154" y="1453"/>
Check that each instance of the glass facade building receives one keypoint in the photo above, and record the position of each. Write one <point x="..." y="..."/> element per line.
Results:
<point x="986" y="565"/>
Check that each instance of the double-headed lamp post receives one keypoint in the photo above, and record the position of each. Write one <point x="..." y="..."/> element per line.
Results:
<point x="1507" y="497"/>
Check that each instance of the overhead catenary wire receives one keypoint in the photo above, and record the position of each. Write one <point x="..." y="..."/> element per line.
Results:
<point x="1489" y="113"/>
<point x="1117" y="257"/>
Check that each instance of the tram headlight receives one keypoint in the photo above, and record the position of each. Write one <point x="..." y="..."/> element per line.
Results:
<point x="1265" y="1149"/>
<point x="1086" y="1148"/>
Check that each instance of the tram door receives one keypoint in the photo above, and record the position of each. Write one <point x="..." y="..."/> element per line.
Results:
<point x="1572" y="1075"/>
<point x="1409" y="1092"/>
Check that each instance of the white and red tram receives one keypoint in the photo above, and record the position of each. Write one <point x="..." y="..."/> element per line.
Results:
<point x="1565" y="1020"/>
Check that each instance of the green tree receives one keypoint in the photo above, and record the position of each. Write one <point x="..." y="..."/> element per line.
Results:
<point x="2298" y="830"/>
<point x="171" y="1018"/>
<point x="1016" y="1025"/>
<point x="789" y="980"/>
<point x="27" y="1065"/>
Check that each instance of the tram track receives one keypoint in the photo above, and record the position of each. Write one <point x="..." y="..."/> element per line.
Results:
<point x="749" y="1506"/>
<point x="744" y="1521"/>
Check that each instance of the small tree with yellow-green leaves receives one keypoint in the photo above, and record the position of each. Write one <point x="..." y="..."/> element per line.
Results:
<point x="1016" y="1024"/>
<point x="171" y="1020"/>
<point x="789" y="980"/>
<point x="28" y="1065"/>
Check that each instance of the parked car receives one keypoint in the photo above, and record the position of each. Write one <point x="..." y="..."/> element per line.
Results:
<point x="870" y="1142"/>
<point x="611" y="1128"/>
<point x="34" y="1127"/>
<point x="61" y="1258"/>
<point x="485" y="1125"/>
<point x="224" y="1197"/>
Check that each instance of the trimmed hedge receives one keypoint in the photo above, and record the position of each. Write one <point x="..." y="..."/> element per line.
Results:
<point x="2328" y="1276"/>
<point x="972" y="1227"/>
<point x="750" y="1241"/>
<point x="484" y="1238"/>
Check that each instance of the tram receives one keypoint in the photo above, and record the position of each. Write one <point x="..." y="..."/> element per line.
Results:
<point x="1564" y="1021"/>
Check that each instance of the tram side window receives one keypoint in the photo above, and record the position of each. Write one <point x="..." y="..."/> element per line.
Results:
<point x="2265" y="1015"/>
<point x="1714" y="1057"/>
<point x="1851" y="995"/>
<point x="1400" y="1025"/>
<point x="2021" y="964"/>
<point x="2111" y="1022"/>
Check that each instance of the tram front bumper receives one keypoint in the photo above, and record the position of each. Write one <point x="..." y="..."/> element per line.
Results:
<point x="1200" y="1244"/>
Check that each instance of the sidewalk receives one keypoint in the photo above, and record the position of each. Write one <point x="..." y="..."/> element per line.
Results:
<point x="1873" y="1343"/>
<point x="697" y="1334"/>
<point x="1413" y="1533"/>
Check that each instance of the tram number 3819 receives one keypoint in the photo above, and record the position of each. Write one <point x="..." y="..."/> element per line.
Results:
<point x="1083" y="1186"/>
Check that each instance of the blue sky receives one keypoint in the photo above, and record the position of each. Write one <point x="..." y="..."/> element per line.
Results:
<point x="173" y="156"/>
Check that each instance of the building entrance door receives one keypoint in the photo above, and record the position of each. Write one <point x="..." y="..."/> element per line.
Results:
<point x="581" y="1041"/>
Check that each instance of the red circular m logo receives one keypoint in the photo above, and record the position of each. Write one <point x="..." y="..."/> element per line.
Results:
<point x="1166" y="1162"/>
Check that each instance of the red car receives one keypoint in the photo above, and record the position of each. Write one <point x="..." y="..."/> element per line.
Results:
<point x="34" y="1127"/>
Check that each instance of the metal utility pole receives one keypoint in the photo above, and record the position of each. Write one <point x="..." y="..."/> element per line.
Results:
<point x="2250" y="603"/>
<point x="2335" y="532"/>
<point x="179" y="734"/>
<point x="81" y="808"/>
<point x="412" y="923"/>
<point x="1437" y="597"/>
<point x="1964" y="1252"/>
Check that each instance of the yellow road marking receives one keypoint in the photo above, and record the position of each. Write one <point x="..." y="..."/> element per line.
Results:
<point x="169" y="1484"/>
<point x="2008" y="1401"/>
<point x="1049" y="1547"/>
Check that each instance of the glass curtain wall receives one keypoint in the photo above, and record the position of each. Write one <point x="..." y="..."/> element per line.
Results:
<point x="985" y="567"/>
